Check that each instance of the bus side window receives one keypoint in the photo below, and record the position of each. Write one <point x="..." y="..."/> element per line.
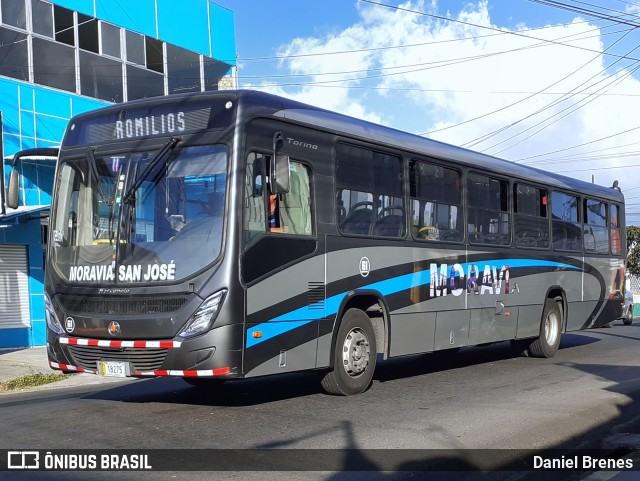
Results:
<point x="254" y="198"/>
<point x="616" y="243"/>
<point x="596" y="227"/>
<point x="435" y="193"/>
<point x="291" y="212"/>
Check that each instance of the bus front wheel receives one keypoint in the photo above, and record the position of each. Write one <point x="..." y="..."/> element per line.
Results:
<point x="546" y="345"/>
<point x="354" y="356"/>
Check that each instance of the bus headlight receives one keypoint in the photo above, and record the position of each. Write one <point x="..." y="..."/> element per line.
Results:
<point x="205" y="315"/>
<point x="52" y="318"/>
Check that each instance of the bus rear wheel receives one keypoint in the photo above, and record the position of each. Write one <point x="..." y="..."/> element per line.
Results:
<point x="546" y="345"/>
<point x="354" y="356"/>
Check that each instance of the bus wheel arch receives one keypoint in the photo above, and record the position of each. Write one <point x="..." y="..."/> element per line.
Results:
<point x="551" y="325"/>
<point x="359" y="333"/>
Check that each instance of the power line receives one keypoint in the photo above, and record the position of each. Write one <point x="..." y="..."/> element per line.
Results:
<point x="546" y="107"/>
<point x="514" y="33"/>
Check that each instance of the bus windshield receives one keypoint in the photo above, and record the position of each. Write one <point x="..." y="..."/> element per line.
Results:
<point x="139" y="217"/>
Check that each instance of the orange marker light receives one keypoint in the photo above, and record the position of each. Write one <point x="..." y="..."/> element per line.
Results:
<point x="507" y="314"/>
<point x="257" y="334"/>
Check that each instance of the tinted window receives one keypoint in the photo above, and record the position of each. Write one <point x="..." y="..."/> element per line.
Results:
<point x="42" y="17"/>
<point x="436" y="197"/>
<point x="14" y="13"/>
<point x="596" y="227"/>
<point x="100" y="77"/>
<point x="488" y="218"/>
<point x="110" y="39"/>
<point x="531" y="224"/>
<point x="616" y="242"/>
<point x="183" y="70"/>
<point x="154" y="54"/>
<point x="567" y="231"/>
<point x="54" y="65"/>
<point x="88" y="33"/>
<point x="14" y="54"/>
<point x="63" y="23"/>
<point x="142" y="83"/>
<point x="213" y="71"/>
<point x="369" y="197"/>
<point x="135" y="47"/>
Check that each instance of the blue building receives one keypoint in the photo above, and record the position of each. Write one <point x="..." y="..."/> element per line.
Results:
<point x="59" y="58"/>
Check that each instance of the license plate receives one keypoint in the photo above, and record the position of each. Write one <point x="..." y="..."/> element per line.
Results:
<point x="113" y="369"/>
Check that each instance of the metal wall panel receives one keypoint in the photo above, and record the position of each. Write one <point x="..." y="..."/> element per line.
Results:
<point x="14" y="287"/>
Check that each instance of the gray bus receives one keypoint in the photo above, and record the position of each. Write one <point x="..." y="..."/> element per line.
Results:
<point x="235" y="234"/>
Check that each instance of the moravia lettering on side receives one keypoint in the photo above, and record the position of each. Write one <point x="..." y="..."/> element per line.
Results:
<point x="454" y="280"/>
<point x="126" y="273"/>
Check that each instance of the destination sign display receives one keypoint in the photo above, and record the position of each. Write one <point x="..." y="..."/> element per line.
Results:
<point x="153" y="120"/>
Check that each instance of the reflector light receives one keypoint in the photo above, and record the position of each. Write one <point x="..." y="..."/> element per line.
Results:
<point x="257" y="334"/>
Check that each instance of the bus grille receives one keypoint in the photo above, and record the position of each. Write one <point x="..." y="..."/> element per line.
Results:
<point x="101" y="305"/>
<point x="142" y="359"/>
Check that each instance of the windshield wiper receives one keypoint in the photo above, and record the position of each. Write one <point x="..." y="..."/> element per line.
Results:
<point x="131" y="191"/>
<point x="91" y="160"/>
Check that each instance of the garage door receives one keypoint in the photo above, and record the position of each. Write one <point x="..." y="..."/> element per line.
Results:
<point x="14" y="287"/>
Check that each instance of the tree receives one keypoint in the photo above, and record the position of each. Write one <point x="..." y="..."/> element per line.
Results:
<point x="633" y="250"/>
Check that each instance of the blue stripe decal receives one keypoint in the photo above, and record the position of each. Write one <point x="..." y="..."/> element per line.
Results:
<point x="304" y="315"/>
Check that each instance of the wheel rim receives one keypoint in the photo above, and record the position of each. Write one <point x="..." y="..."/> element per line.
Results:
<point x="355" y="352"/>
<point x="551" y="328"/>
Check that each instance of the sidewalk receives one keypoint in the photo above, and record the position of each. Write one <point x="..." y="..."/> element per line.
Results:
<point x="18" y="362"/>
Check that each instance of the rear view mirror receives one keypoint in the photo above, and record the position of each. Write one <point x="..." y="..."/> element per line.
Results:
<point x="279" y="167"/>
<point x="12" y="191"/>
<point x="280" y="175"/>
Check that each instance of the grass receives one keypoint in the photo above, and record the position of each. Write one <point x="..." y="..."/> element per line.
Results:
<point x="30" y="380"/>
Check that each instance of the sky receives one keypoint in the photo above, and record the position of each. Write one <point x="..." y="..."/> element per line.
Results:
<point x="554" y="87"/>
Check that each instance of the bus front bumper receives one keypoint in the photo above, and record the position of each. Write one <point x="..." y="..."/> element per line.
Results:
<point x="213" y="354"/>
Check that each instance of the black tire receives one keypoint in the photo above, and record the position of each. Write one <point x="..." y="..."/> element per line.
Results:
<point x="629" y="319"/>
<point x="354" y="356"/>
<point x="546" y="345"/>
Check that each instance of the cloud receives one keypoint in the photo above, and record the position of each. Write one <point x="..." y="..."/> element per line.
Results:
<point x="518" y="94"/>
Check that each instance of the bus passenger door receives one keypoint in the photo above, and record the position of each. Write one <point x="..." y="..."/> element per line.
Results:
<point x="285" y="297"/>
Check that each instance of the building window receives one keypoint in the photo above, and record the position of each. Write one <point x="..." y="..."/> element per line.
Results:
<point x="100" y="77"/>
<point x="135" y="48"/>
<point x="54" y="65"/>
<point x="88" y="33"/>
<point x="531" y="218"/>
<point x="436" y="202"/>
<point x="155" y="54"/>
<point x="64" y="25"/>
<point x="142" y="83"/>
<point x="42" y="17"/>
<point x="183" y="70"/>
<point x="14" y="13"/>
<point x="110" y="40"/>
<point x="213" y="72"/>
<point x="565" y="222"/>
<point x="14" y="54"/>
<point x="488" y="203"/>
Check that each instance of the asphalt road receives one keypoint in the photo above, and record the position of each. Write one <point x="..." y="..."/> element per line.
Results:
<point x="479" y="398"/>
